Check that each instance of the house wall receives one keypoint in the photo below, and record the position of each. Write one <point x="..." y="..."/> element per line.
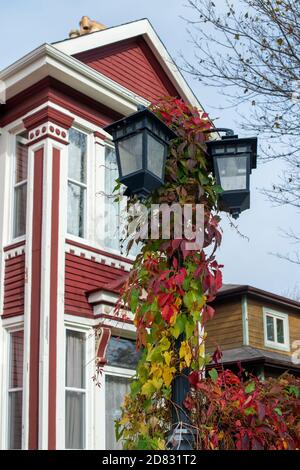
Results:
<point x="256" y="324"/>
<point x="132" y="64"/>
<point x="226" y="327"/>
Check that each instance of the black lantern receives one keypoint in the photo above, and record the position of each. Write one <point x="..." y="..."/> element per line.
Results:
<point x="233" y="161"/>
<point x="142" y="141"/>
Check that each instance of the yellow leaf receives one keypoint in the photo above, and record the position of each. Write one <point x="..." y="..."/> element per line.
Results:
<point x="168" y="374"/>
<point x="161" y="444"/>
<point x="168" y="357"/>
<point x="156" y="371"/>
<point x="185" y="353"/>
<point x="157" y="383"/>
<point x="148" y="388"/>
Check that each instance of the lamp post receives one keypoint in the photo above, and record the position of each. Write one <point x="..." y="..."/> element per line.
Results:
<point x="233" y="160"/>
<point x="142" y="142"/>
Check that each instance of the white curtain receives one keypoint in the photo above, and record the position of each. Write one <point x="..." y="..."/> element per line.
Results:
<point x="115" y="390"/>
<point x="75" y="390"/>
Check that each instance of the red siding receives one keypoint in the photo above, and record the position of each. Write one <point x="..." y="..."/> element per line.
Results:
<point x="83" y="275"/>
<point x="132" y="64"/>
<point x="14" y="281"/>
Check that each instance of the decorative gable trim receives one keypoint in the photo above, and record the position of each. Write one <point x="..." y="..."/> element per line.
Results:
<point x="134" y="29"/>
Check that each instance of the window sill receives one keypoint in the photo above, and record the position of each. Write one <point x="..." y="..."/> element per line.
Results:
<point x="277" y="346"/>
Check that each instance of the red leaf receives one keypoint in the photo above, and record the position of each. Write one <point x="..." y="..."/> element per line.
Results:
<point x="261" y="411"/>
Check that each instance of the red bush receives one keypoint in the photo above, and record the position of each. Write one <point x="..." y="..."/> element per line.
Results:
<point x="230" y="413"/>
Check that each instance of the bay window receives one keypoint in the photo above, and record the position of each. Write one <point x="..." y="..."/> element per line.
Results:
<point x="75" y="395"/>
<point x="112" y="233"/>
<point x="20" y="187"/>
<point x="115" y="208"/>
<point x="15" y="389"/>
<point x="77" y="183"/>
<point x="122" y="358"/>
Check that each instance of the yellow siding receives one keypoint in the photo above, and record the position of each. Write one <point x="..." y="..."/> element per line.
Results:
<point x="226" y="328"/>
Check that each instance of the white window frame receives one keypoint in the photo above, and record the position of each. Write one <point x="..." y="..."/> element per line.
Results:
<point x="84" y="326"/>
<point x="115" y="372"/>
<point x="6" y="340"/>
<point x="86" y="186"/>
<point x="85" y="390"/>
<point x="16" y="185"/>
<point x="275" y="344"/>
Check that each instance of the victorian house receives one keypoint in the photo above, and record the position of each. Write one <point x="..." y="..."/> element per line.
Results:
<point x="59" y="235"/>
<point x="60" y="253"/>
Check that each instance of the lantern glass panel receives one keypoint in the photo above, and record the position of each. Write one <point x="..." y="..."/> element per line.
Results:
<point x="233" y="172"/>
<point x="156" y="153"/>
<point x="131" y="154"/>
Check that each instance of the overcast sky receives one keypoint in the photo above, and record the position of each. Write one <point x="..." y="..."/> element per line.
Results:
<point x="27" y="24"/>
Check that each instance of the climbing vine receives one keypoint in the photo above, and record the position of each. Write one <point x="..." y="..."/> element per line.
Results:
<point x="170" y="288"/>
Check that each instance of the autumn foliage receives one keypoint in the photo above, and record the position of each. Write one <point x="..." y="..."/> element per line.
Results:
<point x="230" y="413"/>
<point x="169" y="291"/>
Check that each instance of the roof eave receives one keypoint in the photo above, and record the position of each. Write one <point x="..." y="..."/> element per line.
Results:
<point x="49" y="61"/>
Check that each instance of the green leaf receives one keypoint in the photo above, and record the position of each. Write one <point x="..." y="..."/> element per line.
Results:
<point x="134" y="300"/>
<point x="135" y="388"/>
<point x="164" y="344"/>
<point x="293" y="390"/>
<point x="278" y="411"/>
<point x="250" y="387"/>
<point x="250" y="411"/>
<point x="179" y="326"/>
<point x="189" y="328"/>
<point x="213" y="375"/>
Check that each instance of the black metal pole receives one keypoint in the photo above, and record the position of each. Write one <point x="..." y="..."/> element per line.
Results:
<point x="183" y="437"/>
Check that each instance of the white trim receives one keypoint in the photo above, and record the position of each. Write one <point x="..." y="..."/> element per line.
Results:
<point x="27" y="293"/>
<point x="99" y="258"/>
<point x="50" y="61"/>
<point x="5" y="365"/>
<point x="282" y="316"/>
<point x="126" y="31"/>
<point x="60" y="342"/>
<point x="101" y="403"/>
<point x="89" y="385"/>
<point x="45" y="295"/>
<point x="245" y="320"/>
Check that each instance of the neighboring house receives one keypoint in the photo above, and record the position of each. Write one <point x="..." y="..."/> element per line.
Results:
<point x="59" y="235"/>
<point x="259" y="329"/>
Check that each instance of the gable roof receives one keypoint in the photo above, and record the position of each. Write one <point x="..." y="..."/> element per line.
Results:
<point x="136" y="30"/>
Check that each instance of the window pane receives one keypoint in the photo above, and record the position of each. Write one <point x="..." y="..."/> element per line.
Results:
<point x="280" y="331"/>
<point x="77" y="155"/>
<point x="21" y="161"/>
<point x="112" y="208"/>
<point x="156" y="152"/>
<point x="15" y="420"/>
<point x="20" y="210"/>
<point x="75" y="420"/>
<point x="122" y="352"/>
<point x="76" y="209"/>
<point x="16" y="359"/>
<point x="131" y="154"/>
<point x="270" y="328"/>
<point x="115" y="390"/>
<point x="75" y="359"/>
<point x="233" y="172"/>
